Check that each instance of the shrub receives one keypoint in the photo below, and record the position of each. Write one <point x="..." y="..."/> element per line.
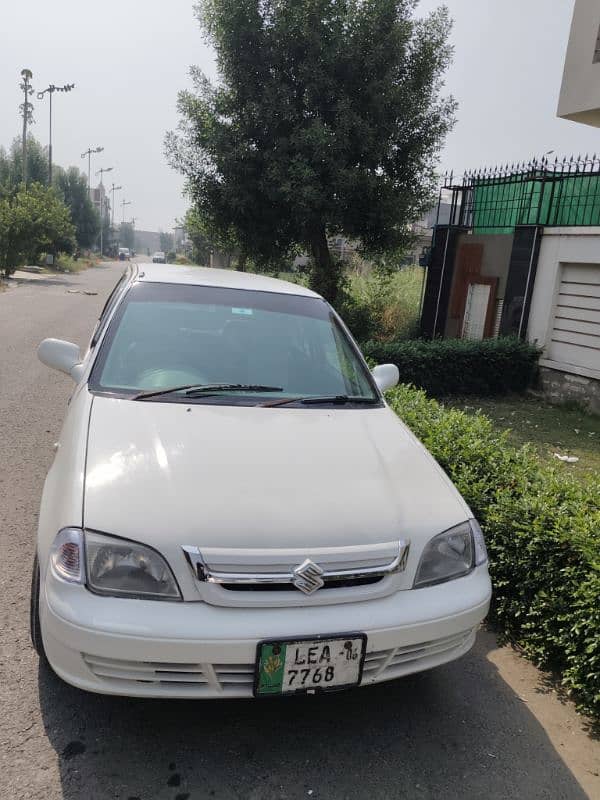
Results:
<point x="382" y="305"/>
<point x="460" y="366"/>
<point x="543" y="534"/>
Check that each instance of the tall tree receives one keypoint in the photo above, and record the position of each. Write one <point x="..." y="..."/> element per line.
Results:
<point x="127" y="235"/>
<point x="327" y="118"/>
<point x="166" y="241"/>
<point x="11" y="162"/>
<point x="72" y="186"/>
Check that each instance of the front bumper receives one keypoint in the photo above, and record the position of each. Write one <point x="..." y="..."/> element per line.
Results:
<point x="155" y="649"/>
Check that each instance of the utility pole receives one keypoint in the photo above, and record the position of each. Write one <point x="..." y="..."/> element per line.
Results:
<point x="113" y="189"/>
<point x="123" y="204"/>
<point x="88" y="153"/>
<point x="27" y="112"/>
<point x="40" y="96"/>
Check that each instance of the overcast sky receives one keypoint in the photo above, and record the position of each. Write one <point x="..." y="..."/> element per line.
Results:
<point x="128" y="59"/>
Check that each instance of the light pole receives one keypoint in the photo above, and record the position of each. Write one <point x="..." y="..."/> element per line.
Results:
<point x="101" y="172"/>
<point x="123" y="204"/>
<point x="88" y="153"/>
<point x="26" y="110"/>
<point x="113" y="189"/>
<point x="40" y="96"/>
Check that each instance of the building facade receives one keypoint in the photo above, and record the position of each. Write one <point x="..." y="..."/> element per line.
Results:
<point x="580" y="91"/>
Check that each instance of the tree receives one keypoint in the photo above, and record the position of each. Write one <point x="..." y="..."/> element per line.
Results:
<point x="207" y="238"/>
<point x="166" y="241"/>
<point x="201" y="243"/>
<point x="72" y="186"/>
<point x="127" y="235"/>
<point x="327" y="119"/>
<point x="11" y="163"/>
<point x="33" y="221"/>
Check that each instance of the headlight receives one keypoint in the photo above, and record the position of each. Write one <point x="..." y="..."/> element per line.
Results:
<point x="120" y="568"/>
<point x="452" y="554"/>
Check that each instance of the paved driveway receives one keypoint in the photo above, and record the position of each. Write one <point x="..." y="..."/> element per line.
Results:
<point x="483" y="727"/>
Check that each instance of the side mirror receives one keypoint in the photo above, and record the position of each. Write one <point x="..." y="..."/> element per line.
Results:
<point x="64" y="356"/>
<point x="386" y="376"/>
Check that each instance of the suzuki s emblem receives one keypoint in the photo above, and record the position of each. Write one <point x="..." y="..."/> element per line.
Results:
<point x="307" y="577"/>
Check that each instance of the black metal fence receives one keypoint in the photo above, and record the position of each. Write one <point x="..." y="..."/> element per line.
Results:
<point x="562" y="192"/>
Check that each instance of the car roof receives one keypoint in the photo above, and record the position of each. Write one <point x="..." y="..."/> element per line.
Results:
<point x="225" y="278"/>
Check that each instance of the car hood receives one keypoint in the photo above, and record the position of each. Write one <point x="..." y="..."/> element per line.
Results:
<point x="233" y="476"/>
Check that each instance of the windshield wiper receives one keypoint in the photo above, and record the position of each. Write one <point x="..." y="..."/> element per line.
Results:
<point x="197" y="390"/>
<point x="336" y="399"/>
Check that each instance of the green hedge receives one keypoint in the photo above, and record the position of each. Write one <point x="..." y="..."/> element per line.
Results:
<point x="460" y="366"/>
<point x="542" y="530"/>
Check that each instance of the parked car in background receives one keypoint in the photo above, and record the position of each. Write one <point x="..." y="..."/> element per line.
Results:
<point x="124" y="254"/>
<point x="233" y="509"/>
<point x="159" y="258"/>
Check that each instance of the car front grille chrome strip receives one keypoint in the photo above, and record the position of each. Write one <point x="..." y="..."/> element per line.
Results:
<point x="308" y="575"/>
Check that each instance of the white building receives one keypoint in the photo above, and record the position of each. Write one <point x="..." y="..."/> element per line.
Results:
<point x="580" y="92"/>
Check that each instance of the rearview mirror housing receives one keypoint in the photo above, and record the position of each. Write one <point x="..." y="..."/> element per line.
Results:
<point x="63" y="356"/>
<point x="386" y="376"/>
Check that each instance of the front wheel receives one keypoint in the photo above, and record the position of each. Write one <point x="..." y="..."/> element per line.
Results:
<point x="34" y="610"/>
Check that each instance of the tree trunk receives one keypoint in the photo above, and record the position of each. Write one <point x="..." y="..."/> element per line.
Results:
<point x="325" y="273"/>
<point x="241" y="262"/>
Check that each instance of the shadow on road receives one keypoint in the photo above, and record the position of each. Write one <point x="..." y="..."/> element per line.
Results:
<point x="456" y="732"/>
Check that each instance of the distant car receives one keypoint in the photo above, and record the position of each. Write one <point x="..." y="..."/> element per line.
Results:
<point x="234" y="510"/>
<point x="124" y="254"/>
<point x="159" y="258"/>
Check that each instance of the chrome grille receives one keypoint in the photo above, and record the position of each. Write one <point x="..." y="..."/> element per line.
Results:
<point x="277" y="569"/>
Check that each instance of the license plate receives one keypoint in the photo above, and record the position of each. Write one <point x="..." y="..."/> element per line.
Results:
<point x="309" y="665"/>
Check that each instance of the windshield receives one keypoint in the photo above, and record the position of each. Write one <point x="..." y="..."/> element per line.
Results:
<point x="278" y="346"/>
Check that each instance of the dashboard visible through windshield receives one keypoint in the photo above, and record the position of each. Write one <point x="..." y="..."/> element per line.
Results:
<point x="244" y="345"/>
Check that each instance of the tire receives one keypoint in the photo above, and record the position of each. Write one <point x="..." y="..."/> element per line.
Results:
<point x="34" y="611"/>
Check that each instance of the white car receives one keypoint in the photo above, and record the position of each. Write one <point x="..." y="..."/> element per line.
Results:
<point x="233" y="509"/>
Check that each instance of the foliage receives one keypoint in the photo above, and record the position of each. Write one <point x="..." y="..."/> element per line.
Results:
<point x="327" y="118"/>
<point x="166" y="241"/>
<point x="11" y="163"/>
<point x="543" y="534"/>
<point x="127" y="235"/>
<point x="72" y="187"/>
<point x="461" y="366"/>
<point x="382" y="305"/>
<point x="202" y="241"/>
<point x="66" y="263"/>
<point x="32" y="221"/>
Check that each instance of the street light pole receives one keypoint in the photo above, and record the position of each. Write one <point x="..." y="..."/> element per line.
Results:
<point x="27" y="109"/>
<point x="40" y="96"/>
<point x="113" y="189"/>
<point x="88" y="153"/>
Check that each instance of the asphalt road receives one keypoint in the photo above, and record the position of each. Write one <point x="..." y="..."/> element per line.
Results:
<point x="483" y="727"/>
